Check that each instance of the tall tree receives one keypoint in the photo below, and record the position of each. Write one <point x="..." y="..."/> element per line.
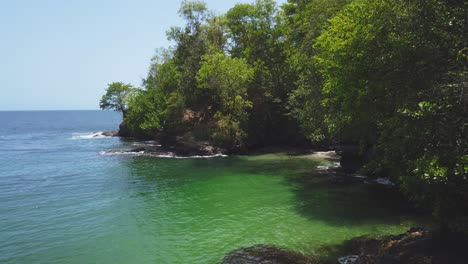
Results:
<point x="116" y="97"/>
<point x="393" y="80"/>
<point x="227" y="80"/>
<point x="255" y="35"/>
<point x="191" y="45"/>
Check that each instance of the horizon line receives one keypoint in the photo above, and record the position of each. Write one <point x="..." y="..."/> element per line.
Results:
<point x="49" y="110"/>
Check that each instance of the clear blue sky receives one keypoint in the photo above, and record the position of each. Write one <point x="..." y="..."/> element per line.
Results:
<point x="60" y="54"/>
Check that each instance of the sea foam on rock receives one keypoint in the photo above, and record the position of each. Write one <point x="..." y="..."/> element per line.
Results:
<point x="94" y="135"/>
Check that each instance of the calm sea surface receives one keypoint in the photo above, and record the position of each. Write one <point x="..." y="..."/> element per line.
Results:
<point x="63" y="201"/>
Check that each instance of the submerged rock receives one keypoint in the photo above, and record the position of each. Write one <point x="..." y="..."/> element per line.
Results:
<point x="262" y="254"/>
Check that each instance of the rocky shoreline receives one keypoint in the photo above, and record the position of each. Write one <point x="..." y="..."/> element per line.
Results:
<point x="183" y="146"/>
<point x="416" y="246"/>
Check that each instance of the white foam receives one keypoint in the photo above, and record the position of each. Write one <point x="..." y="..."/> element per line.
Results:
<point x="324" y="153"/>
<point x="93" y="135"/>
<point x="360" y="176"/>
<point x="167" y="155"/>
<point x="204" y="157"/>
<point x="146" y="143"/>
<point x="334" y="165"/>
<point x="384" y="181"/>
<point x="173" y="156"/>
<point x="351" y="259"/>
<point x="118" y="153"/>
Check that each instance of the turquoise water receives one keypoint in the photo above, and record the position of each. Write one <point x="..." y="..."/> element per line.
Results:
<point x="62" y="201"/>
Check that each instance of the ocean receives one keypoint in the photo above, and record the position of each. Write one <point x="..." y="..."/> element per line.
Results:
<point x="64" y="198"/>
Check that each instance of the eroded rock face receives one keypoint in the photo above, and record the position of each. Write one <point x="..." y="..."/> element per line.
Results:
<point x="262" y="254"/>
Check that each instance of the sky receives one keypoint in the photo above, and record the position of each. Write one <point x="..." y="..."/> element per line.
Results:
<point x="60" y="55"/>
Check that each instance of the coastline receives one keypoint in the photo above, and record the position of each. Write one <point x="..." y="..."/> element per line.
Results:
<point x="414" y="246"/>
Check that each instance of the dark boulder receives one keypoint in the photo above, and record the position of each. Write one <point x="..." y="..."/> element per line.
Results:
<point x="140" y="149"/>
<point x="124" y="131"/>
<point x="353" y="158"/>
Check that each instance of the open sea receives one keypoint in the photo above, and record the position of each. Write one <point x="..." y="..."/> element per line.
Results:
<point x="65" y="199"/>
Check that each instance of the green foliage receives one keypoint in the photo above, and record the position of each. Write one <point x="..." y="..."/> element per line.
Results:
<point x="305" y="22"/>
<point x="116" y="97"/>
<point x="159" y="107"/>
<point x="227" y="79"/>
<point x="393" y="81"/>
<point x="256" y="34"/>
<point x="191" y="44"/>
<point x="143" y="116"/>
<point x="389" y="75"/>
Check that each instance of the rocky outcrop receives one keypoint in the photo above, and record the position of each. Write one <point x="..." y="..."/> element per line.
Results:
<point x="110" y="133"/>
<point x="262" y="254"/>
<point x="353" y="158"/>
<point x="124" y="131"/>
<point x="178" y="149"/>
<point x="417" y="246"/>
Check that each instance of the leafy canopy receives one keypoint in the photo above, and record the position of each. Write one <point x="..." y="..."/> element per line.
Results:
<point x="116" y="97"/>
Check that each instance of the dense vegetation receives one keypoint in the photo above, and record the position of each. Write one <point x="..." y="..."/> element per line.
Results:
<point x="387" y="75"/>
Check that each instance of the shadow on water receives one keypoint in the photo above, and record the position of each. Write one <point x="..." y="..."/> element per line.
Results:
<point x="328" y="196"/>
<point x="342" y="200"/>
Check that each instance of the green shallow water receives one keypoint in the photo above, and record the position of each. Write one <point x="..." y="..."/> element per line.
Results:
<point x="63" y="202"/>
<point x="195" y="211"/>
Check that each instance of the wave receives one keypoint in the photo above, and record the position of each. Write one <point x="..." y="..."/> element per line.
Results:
<point x="93" y="135"/>
<point x="148" y="143"/>
<point x="118" y="153"/>
<point x="169" y="155"/>
<point x="334" y="165"/>
<point x="195" y="157"/>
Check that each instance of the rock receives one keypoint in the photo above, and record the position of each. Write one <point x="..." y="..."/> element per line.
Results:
<point x="262" y="254"/>
<point x="353" y="158"/>
<point x="350" y="259"/>
<point x="418" y="246"/>
<point x="111" y="133"/>
<point x="351" y="163"/>
<point x="124" y="131"/>
<point x="140" y="149"/>
<point x="384" y="181"/>
<point x="186" y="145"/>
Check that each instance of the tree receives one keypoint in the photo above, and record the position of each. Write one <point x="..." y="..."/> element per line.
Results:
<point x="393" y="81"/>
<point x="305" y="21"/>
<point x="191" y="45"/>
<point x="227" y="79"/>
<point x="255" y="34"/>
<point x="116" y="97"/>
